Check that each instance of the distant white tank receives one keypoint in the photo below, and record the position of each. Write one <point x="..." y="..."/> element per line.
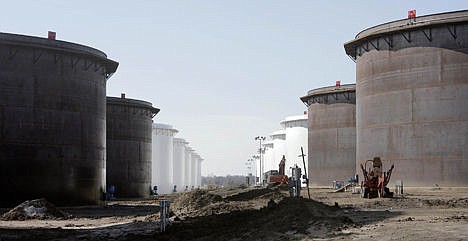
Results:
<point x="279" y="146"/>
<point x="296" y="131"/>
<point x="269" y="156"/>
<point x="193" y="169"/>
<point x="196" y="170"/>
<point x="188" y="168"/>
<point x="200" y="160"/>
<point x="178" y="168"/>
<point x="162" y="157"/>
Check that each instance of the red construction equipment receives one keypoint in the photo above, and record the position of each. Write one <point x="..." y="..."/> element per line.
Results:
<point x="280" y="177"/>
<point x="375" y="181"/>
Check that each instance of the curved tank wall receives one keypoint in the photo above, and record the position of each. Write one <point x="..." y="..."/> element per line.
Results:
<point x="128" y="165"/>
<point x="52" y="120"/>
<point x="268" y="156"/>
<point x="162" y="157"/>
<point x="279" y="146"/>
<point x="295" y="128"/>
<point x="188" y="168"/>
<point x="178" y="173"/>
<point x="412" y="92"/>
<point x="332" y="134"/>
<point x="199" y="167"/>
<point x="193" y="170"/>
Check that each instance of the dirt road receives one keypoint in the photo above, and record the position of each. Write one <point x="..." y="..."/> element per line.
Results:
<point x="262" y="214"/>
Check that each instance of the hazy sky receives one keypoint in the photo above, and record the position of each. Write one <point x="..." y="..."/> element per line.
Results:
<point x="222" y="72"/>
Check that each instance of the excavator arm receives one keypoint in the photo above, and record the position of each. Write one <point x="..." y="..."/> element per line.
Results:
<point x="364" y="172"/>
<point x="389" y="174"/>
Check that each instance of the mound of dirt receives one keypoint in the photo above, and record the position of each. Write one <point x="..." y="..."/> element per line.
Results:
<point x="190" y="203"/>
<point x="35" y="209"/>
<point x="202" y="203"/>
<point x="243" y="196"/>
<point x="291" y="217"/>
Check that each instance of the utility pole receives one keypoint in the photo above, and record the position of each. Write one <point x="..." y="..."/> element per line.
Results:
<point x="250" y="163"/>
<point x="260" y="139"/>
<point x="255" y="157"/>
<point x="305" y="171"/>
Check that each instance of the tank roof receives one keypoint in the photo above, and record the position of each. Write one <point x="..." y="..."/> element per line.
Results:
<point x="330" y="90"/>
<point x="277" y="133"/>
<point x="180" y="140"/>
<point x="404" y="25"/>
<point x="294" y="118"/>
<point x="163" y="126"/>
<point x="132" y="102"/>
<point x="58" y="45"/>
<point x="267" y="143"/>
<point x="338" y="94"/>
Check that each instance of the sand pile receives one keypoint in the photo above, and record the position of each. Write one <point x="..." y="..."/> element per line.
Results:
<point x="34" y="209"/>
<point x="202" y="203"/>
<point x="291" y="217"/>
<point x="243" y="196"/>
<point x="192" y="203"/>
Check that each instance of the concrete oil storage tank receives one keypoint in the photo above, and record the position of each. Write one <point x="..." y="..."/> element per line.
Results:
<point x="52" y="120"/>
<point x="296" y="131"/>
<point x="188" y="168"/>
<point x="129" y="127"/>
<point x="412" y="96"/>
<point x="332" y="134"/>
<point x="178" y="170"/>
<point x="162" y="157"/>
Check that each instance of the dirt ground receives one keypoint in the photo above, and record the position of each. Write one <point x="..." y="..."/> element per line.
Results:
<point x="260" y="214"/>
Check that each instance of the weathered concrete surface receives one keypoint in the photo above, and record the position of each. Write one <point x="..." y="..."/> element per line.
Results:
<point x="412" y="100"/>
<point x="52" y="120"/>
<point x="128" y="165"/>
<point x="332" y="134"/>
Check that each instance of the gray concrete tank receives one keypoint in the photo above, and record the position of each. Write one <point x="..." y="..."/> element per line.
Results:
<point x="412" y="96"/>
<point x="129" y="127"/>
<point x="52" y="120"/>
<point x="332" y="134"/>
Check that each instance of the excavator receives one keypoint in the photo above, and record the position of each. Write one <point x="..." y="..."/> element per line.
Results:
<point x="279" y="177"/>
<point x="294" y="182"/>
<point x="375" y="181"/>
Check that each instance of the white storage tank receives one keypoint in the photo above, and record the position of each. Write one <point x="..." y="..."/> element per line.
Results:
<point x="162" y="157"/>
<point x="193" y="170"/>
<point x="200" y="160"/>
<point x="178" y="168"/>
<point x="197" y="171"/>
<point x="269" y="156"/>
<point x="279" y="146"/>
<point x="296" y="131"/>
<point x="188" y="168"/>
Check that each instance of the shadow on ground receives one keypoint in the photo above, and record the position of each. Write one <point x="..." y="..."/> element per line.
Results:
<point x="289" y="219"/>
<point x="116" y="210"/>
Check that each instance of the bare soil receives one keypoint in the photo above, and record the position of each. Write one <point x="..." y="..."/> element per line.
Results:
<point x="259" y="214"/>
